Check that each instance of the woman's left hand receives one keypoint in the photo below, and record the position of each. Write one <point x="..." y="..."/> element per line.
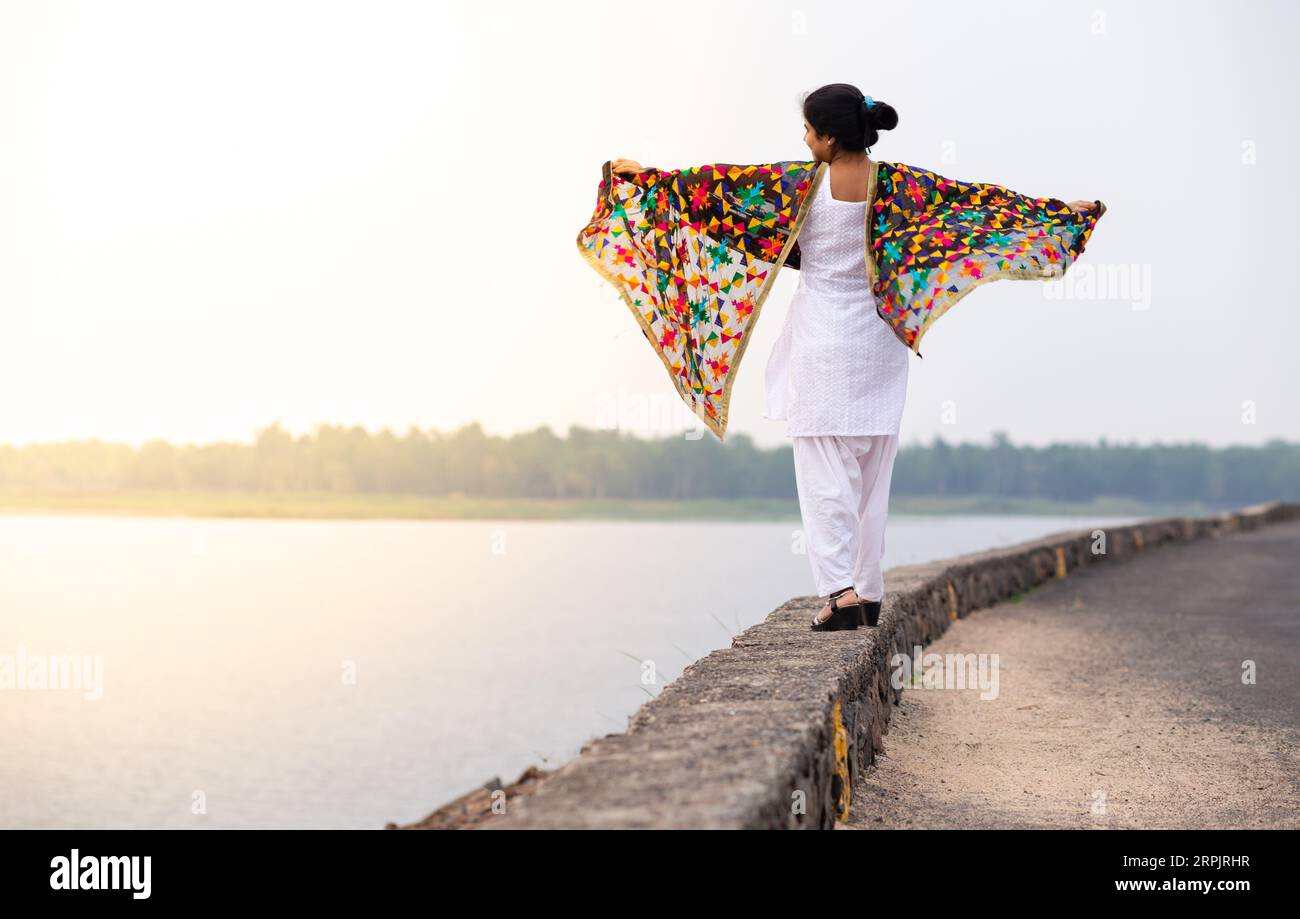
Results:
<point x="625" y="167"/>
<point x="1080" y="207"/>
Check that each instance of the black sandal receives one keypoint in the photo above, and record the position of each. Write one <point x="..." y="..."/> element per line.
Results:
<point x="870" y="613"/>
<point x="842" y="618"/>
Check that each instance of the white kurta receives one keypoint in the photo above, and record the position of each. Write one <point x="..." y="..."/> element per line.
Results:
<point x="837" y="367"/>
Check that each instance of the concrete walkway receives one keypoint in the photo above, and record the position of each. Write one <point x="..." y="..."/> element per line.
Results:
<point x="1120" y="701"/>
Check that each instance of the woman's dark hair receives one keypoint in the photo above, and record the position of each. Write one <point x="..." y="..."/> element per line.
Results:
<point x="840" y="110"/>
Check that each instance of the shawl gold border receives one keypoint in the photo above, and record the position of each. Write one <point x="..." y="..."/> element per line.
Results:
<point x="818" y="177"/>
<point x="1017" y="274"/>
<point x="719" y="428"/>
<point x="871" y="201"/>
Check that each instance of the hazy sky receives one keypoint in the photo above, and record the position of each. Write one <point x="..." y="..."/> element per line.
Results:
<point x="218" y="215"/>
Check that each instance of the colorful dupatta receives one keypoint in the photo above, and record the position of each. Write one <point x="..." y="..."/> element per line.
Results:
<point x="693" y="253"/>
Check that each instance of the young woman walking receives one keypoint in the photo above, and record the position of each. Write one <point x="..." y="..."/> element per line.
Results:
<point x="838" y="374"/>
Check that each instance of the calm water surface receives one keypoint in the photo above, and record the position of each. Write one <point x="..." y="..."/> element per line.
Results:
<point x="270" y="673"/>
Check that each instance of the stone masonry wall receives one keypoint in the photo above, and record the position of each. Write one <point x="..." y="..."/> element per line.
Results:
<point x="786" y="714"/>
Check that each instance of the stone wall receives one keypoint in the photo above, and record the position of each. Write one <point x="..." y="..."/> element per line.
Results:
<point x="771" y="732"/>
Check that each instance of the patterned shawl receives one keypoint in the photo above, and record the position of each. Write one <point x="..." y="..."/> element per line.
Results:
<point x="693" y="253"/>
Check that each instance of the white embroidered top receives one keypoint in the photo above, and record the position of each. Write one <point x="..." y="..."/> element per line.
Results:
<point x="837" y="367"/>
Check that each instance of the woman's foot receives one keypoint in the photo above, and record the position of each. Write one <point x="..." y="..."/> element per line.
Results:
<point x="843" y="610"/>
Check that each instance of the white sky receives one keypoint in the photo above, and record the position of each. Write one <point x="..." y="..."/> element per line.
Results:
<point x="218" y="215"/>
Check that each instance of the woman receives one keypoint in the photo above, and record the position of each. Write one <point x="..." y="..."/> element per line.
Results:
<point x="838" y="373"/>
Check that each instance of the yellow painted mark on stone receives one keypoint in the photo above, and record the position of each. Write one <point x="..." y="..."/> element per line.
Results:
<point x="841" y="761"/>
<point x="1060" y="562"/>
<point x="952" y="601"/>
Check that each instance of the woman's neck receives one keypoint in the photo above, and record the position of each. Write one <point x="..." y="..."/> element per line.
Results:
<point x="859" y="158"/>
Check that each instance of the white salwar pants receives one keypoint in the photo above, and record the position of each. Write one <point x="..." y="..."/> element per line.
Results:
<point x="843" y="484"/>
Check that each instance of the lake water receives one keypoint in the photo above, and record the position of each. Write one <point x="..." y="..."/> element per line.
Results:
<point x="270" y="673"/>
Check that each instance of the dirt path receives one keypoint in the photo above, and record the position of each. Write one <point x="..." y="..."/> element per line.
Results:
<point x="1120" y="702"/>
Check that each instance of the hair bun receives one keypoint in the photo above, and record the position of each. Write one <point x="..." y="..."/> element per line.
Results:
<point x="882" y="116"/>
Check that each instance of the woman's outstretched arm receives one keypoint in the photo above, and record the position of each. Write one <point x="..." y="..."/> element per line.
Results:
<point x="626" y="167"/>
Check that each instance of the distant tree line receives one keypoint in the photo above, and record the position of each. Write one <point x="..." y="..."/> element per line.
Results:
<point x="591" y="463"/>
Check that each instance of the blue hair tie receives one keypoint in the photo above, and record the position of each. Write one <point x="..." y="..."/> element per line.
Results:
<point x="871" y="103"/>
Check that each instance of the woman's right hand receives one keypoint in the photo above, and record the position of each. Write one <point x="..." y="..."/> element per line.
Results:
<point x="626" y="167"/>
